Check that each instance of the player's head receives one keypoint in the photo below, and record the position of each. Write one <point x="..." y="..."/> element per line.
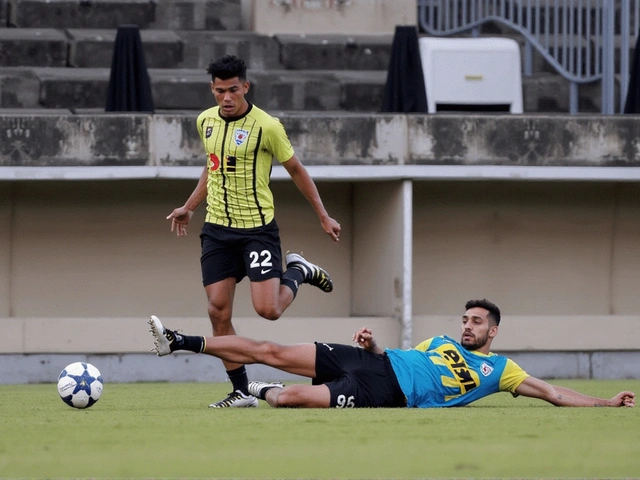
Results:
<point x="228" y="67"/>
<point x="479" y="324"/>
<point x="229" y="85"/>
<point x="493" y="311"/>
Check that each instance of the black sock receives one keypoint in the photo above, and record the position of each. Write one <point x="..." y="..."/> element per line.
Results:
<point x="293" y="278"/>
<point x="191" y="343"/>
<point x="264" y="390"/>
<point x="239" y="379"/>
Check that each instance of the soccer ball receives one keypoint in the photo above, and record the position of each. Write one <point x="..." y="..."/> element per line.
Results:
<point x="80" y="385"/>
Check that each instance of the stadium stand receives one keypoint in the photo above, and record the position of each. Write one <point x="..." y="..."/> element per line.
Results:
<point x="71" y="41"/>
<point x="58" y="54"/>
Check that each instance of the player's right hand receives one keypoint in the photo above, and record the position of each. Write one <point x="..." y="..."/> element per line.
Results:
<point x="364" y="338"/>
<point x="180" y="218"/>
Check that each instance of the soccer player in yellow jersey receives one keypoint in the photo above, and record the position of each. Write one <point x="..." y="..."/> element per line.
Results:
<point x="240" y="236"/>
<point x="439" y="372"/>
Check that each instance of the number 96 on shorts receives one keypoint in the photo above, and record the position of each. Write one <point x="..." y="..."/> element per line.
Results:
<point x="342" y="401"/>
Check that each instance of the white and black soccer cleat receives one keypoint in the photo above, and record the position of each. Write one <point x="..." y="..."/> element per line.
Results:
<point x="313" y="274"/>
<point x="260" y="389"/>
<point x="236" y="399"/>
<point x="163" y="338"/>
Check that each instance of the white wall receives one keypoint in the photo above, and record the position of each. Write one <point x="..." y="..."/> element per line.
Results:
<point x="327" y="16"/>
<point x="85" y="259"/>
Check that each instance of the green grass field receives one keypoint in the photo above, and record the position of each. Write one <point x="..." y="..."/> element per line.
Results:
<point x="167" y="431"/>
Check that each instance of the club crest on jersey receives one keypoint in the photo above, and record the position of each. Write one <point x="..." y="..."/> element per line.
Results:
<point x="240" y="136"/>
<point x="208" y="132"/>
<point x="486" y="369"/>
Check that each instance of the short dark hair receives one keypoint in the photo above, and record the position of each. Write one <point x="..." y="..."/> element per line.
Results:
<point x="492" y="308"/>
<point x="228" y="67"/>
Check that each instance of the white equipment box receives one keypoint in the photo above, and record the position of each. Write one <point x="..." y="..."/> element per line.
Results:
<point x="471" y="71"/>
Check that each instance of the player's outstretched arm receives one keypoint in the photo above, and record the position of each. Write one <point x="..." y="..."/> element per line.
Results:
<point x="565" y="397"/>
<point x="308" y="188"/>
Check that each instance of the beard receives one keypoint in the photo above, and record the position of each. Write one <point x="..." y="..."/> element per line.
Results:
<point x="474" y="343"/>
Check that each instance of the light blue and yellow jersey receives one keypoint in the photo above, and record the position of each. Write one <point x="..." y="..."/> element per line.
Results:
<point x="240" y="153"/>
<point x="440" y="372"/>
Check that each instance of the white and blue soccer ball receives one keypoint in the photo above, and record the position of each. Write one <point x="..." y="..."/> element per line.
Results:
<point x="80" y="385"/>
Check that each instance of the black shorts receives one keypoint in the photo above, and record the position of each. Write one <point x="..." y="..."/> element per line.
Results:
<point x="238" y="252"/>
<point x="357" y="378"/>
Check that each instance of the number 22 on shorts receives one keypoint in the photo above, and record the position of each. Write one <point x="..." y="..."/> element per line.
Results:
<point x="262" y="259"/>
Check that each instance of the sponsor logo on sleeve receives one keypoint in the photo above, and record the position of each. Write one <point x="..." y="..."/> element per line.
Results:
<point x="214" y="162"/>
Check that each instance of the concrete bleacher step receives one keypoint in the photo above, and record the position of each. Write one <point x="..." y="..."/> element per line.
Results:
<point x="260" y="52"/>
<point x="188" y="89"/>
<point x="158" y="14"/>
<point x="4" y="7"/>
<point x="19" y="88"/>
<point x="73" y="87"/>
<point x="175" y="49"/>
<point x="335" y="52"/>
<point x="44" y="47"/>
<point x="321" y="90"/>
<point x="94" y="48"/>
<point x="80" y="14"/>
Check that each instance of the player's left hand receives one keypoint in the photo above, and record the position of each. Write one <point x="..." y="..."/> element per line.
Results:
<point x="624" y="399"/>
<point x="331" y="228"/>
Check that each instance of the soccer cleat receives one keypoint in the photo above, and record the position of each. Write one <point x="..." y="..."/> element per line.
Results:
<point x="236" y="399"/>
<point x="313" y="274"/>
<point x="163" y="337"/>
<point x="257" y="389"/>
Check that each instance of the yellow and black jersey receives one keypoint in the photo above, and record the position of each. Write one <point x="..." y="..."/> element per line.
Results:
<point x="240" y="153"/>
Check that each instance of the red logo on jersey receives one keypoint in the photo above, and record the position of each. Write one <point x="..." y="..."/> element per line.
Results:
<point x="486" y="369"/>
<point x="214" y="162"/>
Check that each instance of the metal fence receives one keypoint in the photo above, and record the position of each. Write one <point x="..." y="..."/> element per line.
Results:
<point x="584" y="40"/>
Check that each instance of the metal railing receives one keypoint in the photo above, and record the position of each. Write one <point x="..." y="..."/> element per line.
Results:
<point x="577" y="37"/>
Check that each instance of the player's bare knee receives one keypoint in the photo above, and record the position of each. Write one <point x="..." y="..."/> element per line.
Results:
<point x="270" y="313"/>
<point x="217" y="311"/>
<point x="221" y="325"/>
<point x="290" y="396"/>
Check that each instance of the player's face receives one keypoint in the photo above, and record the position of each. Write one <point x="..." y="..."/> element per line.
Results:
<point x="229" y="96"/>
<point x="476" y="330"/>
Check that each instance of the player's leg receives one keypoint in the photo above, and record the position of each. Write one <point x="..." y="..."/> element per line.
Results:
<point x="271" y="291"/>
<point x="333" y="383"/>
<point x="340" y="393"/>
<point x="220" y="305"/>
<point x="300" y="396"/>
<point x="299" y="359"/>
<point x="222" y="268"/>
<point x="271" y="297"/>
